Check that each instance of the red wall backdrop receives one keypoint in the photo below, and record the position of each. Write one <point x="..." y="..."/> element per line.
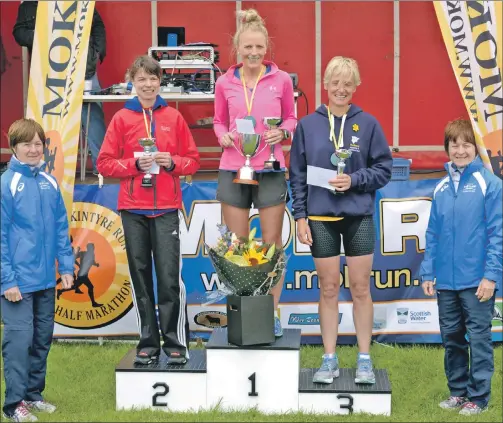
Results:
<point x="429" y="96"/>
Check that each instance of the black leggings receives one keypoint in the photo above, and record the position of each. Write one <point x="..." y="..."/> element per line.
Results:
<point x="358" y="236"/>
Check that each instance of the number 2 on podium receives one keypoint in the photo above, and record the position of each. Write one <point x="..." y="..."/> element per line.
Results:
<point x="253" y="392"/>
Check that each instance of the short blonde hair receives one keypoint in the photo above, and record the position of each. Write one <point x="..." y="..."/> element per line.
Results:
<point x="341" y="64"/>
<point x="24" y="130"/>
<point x="249" y="20"/>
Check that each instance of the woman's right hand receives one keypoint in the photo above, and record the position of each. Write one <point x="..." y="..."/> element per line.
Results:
<point x="227" y="140"/>
<point x="13" y="294"/>
<point x="428" y="288"/>
<point x="304" y="232"/>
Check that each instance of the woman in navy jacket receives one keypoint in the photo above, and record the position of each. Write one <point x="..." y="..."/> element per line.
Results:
<point x="340" y="206"/>
<point x="34" y="236"/>
<point x="463" y="261"/>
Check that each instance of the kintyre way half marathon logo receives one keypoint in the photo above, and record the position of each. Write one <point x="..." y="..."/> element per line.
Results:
<point x="101" y="292"/>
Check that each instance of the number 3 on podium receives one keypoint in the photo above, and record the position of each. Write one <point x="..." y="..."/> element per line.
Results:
<point x="253" y="392"/>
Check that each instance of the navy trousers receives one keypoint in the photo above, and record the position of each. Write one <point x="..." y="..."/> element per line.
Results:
<point x="27" y="337"/>
<point x="469" y="364"/>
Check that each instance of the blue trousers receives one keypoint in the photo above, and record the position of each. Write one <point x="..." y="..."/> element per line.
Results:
<point x="27" y="337"/>
<point x="97" y="126"/>
<point x="469" y="364"/>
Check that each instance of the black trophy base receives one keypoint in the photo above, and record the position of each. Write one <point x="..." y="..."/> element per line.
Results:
<point x="146" y="182"/>
<point x="272" y="165"/>
<point x="250" y="320"/>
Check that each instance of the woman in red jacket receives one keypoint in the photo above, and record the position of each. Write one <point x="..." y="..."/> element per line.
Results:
<point x="150" y="197"/>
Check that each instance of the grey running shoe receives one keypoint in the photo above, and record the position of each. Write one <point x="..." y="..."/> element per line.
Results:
<point x="278" y="330"/>
<point x="453" y="403"/>
<point x="364" y="372"/>
<point x="470" y="408"/>
<point x="42" y="406"/>
<point x="328" y="371"/>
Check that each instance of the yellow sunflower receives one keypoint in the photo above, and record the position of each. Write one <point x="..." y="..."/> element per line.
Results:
<point x="254" y="257"/>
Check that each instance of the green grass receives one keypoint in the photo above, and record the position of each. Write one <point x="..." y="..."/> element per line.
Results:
<point x="81" y="382"/>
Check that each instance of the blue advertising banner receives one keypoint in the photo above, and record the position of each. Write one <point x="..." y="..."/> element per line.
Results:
<point x="402" y="313"/>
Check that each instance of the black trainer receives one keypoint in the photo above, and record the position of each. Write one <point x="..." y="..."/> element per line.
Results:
<point x="143" y="358"/>
<point x="176" y="358"/>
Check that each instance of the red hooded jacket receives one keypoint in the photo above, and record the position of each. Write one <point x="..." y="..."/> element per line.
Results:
<point x="116" y="158"/>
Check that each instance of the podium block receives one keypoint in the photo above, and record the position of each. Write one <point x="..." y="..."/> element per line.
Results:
<point x="344" y="395"/>
<point x="261" y="377"/>
<point x="161" y="386"/>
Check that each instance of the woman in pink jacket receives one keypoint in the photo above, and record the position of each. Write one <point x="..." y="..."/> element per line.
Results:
<point x="253" y="90"/>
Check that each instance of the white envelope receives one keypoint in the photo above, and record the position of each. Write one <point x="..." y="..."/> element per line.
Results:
<point x="319" y="177"/>
<point x="154" y="169"/>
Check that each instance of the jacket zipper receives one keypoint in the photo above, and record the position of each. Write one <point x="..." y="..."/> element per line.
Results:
<point x="175" y="187"/>
<point x="43" y="223"/>
<point x="131" y="186"/>
<point x="155" y="192"/>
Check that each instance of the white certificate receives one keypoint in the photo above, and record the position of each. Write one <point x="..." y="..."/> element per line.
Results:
<point x="244" y="126"/>
<point x="154" y="169"/>
<point x="319" y="177"/>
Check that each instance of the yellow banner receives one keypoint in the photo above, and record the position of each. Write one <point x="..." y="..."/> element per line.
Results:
<point x="56" y="87"/>
<point x="473" y="34"/>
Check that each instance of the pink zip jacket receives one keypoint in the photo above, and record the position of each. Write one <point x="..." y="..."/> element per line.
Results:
<point x="273" y="97"/>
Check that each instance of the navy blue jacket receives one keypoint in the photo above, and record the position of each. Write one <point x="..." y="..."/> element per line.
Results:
<point x="464" y="236"/>
<point x="369" y="165"/>
<point x="34" y="230"/>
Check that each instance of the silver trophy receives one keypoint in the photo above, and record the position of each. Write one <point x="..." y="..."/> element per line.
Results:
<point x="272" y="123"/>
<point x="342" y="156"/>
<point x="147" y="144"/>
<point x="248" y="145"/>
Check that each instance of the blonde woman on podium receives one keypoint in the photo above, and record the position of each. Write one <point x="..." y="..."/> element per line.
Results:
<point x="254" y="89"/>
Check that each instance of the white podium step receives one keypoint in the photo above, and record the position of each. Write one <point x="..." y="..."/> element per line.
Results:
<point x="266" y="377"/>
<point x="161" y="386"/>
<point x="344" y="396"/>
<point x="262" y="377"/>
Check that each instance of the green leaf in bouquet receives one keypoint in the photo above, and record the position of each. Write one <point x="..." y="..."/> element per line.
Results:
<point x="270" y="252"/>
<point x="239" y="260"/>
<point x="252" y="234"/>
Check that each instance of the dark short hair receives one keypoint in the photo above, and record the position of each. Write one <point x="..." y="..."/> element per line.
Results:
<point x="458" y="128"/>
<point x="24" y="130"/>
<point x="148" y="64"/>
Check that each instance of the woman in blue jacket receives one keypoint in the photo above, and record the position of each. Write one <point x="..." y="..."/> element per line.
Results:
<point x="34" y="234"/>
<point x="328" y="207"/>
<point x="463" y="261"/>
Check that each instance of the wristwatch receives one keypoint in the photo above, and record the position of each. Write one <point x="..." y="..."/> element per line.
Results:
<point x="286" y="134"/>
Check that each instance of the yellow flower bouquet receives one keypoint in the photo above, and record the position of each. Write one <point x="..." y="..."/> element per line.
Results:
<point x="246" y="266"/>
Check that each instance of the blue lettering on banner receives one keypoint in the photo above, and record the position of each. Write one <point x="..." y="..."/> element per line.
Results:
<point x="306" y="319"/>
<point x="398" y="254"/>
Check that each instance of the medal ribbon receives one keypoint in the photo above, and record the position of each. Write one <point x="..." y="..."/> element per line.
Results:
<point x="339" y="143"/>
<point x="148" y="127"/>
<point x="249" y="103"/>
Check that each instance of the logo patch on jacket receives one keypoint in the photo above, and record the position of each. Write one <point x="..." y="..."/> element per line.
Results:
<point x="469" y="187"/>
<point x="353" y="146"/>
<point x="44" y="185"/>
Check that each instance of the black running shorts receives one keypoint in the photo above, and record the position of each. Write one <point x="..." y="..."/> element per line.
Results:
<point x="358" y="236"/>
